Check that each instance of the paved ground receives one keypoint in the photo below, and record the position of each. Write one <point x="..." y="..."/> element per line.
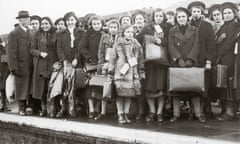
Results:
<point x="228" y="131"/>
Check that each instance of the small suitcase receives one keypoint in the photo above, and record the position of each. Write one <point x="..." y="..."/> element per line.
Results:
<point x="186" y="80"/>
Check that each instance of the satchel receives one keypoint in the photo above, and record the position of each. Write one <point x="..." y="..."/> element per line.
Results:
<point x="97" y="80"/>
<point x="155" y="52"/>
<point x="81" y="78"/>
<point x="10" y="87"/>
<point x="91" y="67"/>
<point x="107" y="90"/>
<point x="186" y="80"/>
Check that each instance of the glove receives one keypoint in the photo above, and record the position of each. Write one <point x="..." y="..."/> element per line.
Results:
<point x="189" y="63"/>
<point x="181" y="62"/>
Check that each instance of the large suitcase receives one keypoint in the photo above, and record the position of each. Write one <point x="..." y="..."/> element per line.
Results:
<point x="186" y="80"/>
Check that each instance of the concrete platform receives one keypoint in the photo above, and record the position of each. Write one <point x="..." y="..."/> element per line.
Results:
<point x="82" y="130"/>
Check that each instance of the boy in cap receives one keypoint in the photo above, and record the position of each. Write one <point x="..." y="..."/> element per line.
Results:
<point x="206" y="56"/>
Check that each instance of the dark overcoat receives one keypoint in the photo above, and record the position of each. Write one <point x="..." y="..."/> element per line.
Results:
<point x="43" y="42"/>
<point x="20" y="60"/>
<point x="89" y="45"/>
<point x="207" y="43"/>
<point x="3" y="67"/>
<point x="184" y="46"/>
<point x="225" y="48"/>
<point x="64" y="50"/>
<point x="156" y="74"/>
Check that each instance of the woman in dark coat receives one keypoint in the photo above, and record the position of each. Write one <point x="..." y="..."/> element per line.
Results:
<point x="67" y="50"/>
<point x="43" y="48"/>
<point x="226" y="38"/>
<point x="183" y="47"/>
<point x="4" y="72"/>
<point x="156" y="73"/>
<point x="88" y="47"/>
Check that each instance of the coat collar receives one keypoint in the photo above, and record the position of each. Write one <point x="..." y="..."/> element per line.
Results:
<point x="189" y="33"/>
<point x="23" y="33"/>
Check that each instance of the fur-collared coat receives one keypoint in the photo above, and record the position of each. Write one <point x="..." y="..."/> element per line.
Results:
<point x="43" y="42"/>
<point x="123" y="50"/>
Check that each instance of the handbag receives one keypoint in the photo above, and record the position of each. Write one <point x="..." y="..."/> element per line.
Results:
<point x="186" y="80"/>
<point x="81" y="79"/>
<point x="10" y="87"/>
<point x="91" y="67"/>
<point x="97" y="80"/>
<point x="155" y="52"/>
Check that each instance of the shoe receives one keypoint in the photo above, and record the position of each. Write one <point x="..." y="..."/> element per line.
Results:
<point x="121" y="119"/>
<point x="225" y="117"/>
<point x="61" y="114"/>
<point x="91" y="115"/>
<point x="52" y="115"/>
<point x="202" y="119"/>
<point x="29" y="111"/>
<point x="22" y="113"/>
<point x="139" y="116"/>
<point x="190" y="117"/>
<point x="126" y="116"/>
<point x="174" y="119"/>
<point x="160" y="118"/>
<point x="150" y="117"/>
<point x="99" y="116"/>
<point x="43" y="113"/>
<point x="2" y="109"/>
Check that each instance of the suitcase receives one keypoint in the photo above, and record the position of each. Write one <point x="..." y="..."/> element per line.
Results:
<point x="186" y="80"/>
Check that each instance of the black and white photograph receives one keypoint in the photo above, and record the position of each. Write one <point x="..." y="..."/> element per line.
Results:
<point x="120" y="72"/>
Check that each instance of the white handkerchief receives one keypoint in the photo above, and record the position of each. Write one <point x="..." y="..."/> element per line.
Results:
<point x="132" y="61"/>
<point x="124" y="69"/>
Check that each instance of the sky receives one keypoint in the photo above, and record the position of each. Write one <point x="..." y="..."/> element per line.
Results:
<point x="57" y="8"/>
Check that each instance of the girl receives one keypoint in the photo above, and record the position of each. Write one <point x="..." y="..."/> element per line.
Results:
<point x="226" y="39"/>
<point x="183" y="48"/>
<point x="124" y="66"/>
<point x="156" y="73"/>
<point x="67" y="48"/>
<point x="89" y="46"/>
<point x="105" y="47"/>
<point x="43" y="48"/>
<point x="60" y="25"/>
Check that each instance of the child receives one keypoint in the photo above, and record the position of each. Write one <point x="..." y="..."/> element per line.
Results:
<point x="105" y="49"/>
<point x="124" y="66"/>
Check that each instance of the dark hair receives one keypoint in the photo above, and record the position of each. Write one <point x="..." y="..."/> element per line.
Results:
<point x="68" y="15"/>
<point x="50" y="22"/>
<point x="181" y="9"/>
<point x="139" y="13"/>
<point x="159" y="10"/>
<point x="125" y="15"/>
<point x="170" y="12"/>
<point x="92" y="18"/>
<point x="35" y="17"/>
<point x="58" y="20"/>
